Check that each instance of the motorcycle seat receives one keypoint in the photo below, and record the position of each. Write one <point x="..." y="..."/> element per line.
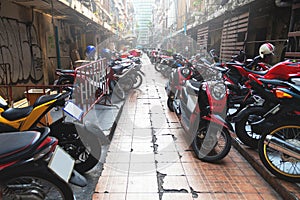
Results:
<point x="126" y="65"/>
<point x="272" y="81"/>
<point x="262" y="73"/>
<point x="16" y="145"/>
<point x="45" y="98"/>
<point x="12" y="114"/>
<point x="67" y="71"/>
<point x="117" y="69"/>
<point x="21" y="145"/>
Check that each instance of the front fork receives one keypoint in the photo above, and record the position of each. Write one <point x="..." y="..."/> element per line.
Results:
<point x="217" y="119"/>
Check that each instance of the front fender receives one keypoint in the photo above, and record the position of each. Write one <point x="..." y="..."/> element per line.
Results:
<point x="217" y="119"/>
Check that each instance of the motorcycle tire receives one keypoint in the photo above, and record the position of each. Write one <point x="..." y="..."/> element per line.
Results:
<point x="138" y="81"/>
<point x="247" y="136"/>
<point x="86" y="154"/>
<point x="118" y="91"/>
<point x="167" y="72"/>
<point x="277" y="162"/>
<point x="206" y="147"/>
<point x="170" y="104"/>
<point x="157" y="67"/>
<point x="36" y="185"/>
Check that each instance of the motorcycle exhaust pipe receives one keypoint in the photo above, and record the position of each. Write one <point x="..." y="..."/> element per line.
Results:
<point x="77" y="179"/>
<point x="283" y="146"/>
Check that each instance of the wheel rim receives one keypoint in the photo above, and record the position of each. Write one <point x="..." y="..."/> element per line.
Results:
<point x="32" y="188"/>
<point x="282" y="163"/>
<point x="210" y="144"/>
<point x="138" y="81"/>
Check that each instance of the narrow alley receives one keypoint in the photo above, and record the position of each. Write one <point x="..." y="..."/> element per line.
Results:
<point x="149" y="158"/>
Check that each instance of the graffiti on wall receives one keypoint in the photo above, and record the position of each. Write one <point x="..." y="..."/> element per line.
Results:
<point x="20" y="53"/>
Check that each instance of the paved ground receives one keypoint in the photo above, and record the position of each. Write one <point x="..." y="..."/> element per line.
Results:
<point x="148" y="158"/>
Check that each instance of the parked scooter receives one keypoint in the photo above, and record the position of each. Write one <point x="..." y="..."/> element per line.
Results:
<point x="85" y="148"/>
<point x="200" y="106"/>
<point x="127" y="72"/>
<point x="31" y="167"/>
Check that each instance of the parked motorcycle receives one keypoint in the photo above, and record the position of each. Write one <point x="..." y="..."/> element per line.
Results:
<point x="248" y="122"/>
<point x="31" y="168"/>
<point x="279" y="146"/>
<point x="127" y="72"/>
<point x="84" y="148"/>
<point x="167" y="65"/>
<point x="200" y="106"/>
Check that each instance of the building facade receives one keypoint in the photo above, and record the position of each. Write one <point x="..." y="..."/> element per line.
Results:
<point x="39" y="36"/>
<point x="230" y="26"/>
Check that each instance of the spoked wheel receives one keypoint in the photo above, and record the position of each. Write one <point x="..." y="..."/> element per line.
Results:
<point x="36" y="185"/>
<point x="211" y="143"/>
<point x="138" y="81"/>
<point x="278" y="152"/>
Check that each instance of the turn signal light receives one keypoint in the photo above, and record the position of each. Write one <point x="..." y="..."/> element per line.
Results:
<point x="281" y="94"/>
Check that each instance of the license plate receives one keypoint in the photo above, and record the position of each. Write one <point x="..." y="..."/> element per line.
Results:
<point x="61" y="163"/>
<point x="73" y="110"/>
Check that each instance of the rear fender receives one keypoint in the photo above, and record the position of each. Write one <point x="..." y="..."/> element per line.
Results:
<point x="246" y="111"/>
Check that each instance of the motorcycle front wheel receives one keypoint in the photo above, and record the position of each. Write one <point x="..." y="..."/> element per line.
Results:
<point x="170" y="103"/>
<point x="278" y="157"/>
<point x="118" y="91"/>
<point x="157" y="67"/>
<point x="211" y="143"/>
<point x="138" y="81"/>
<point x="36" y="185"/>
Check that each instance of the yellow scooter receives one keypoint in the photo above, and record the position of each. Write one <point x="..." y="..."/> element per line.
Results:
<point x="83" y="145"/>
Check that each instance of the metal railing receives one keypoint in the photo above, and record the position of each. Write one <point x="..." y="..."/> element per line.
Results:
<point x="90" y="84"/>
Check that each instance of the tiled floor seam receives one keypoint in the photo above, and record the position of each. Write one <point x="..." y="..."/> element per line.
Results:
<point x="282" y="191"/>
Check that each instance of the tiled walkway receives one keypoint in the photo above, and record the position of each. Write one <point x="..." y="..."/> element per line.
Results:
<point x="149" y="158"/>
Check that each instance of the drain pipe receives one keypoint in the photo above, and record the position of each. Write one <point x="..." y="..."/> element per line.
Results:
<point x="55" y="29"/>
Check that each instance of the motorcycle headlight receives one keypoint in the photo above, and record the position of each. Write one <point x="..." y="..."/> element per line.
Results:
<point x="185" y="72"/>
<point x="218" y="90"/>
<point x="219" y="75"/>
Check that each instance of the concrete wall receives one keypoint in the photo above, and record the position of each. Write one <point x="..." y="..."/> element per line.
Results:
<point x="21" y="57"/>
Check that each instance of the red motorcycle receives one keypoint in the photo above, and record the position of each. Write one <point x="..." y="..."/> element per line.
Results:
<point x="201" y="107"/>
<point x="237" y="78"/>
<point x="31" y="168"/>
<point x="248" y="120"/>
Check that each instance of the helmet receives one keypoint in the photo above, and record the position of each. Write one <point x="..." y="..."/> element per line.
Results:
<point x="105" y="53"/>
<point x="90" y="51"/>
<point x="176" y="56"/>
<point x="265" y="49"/>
